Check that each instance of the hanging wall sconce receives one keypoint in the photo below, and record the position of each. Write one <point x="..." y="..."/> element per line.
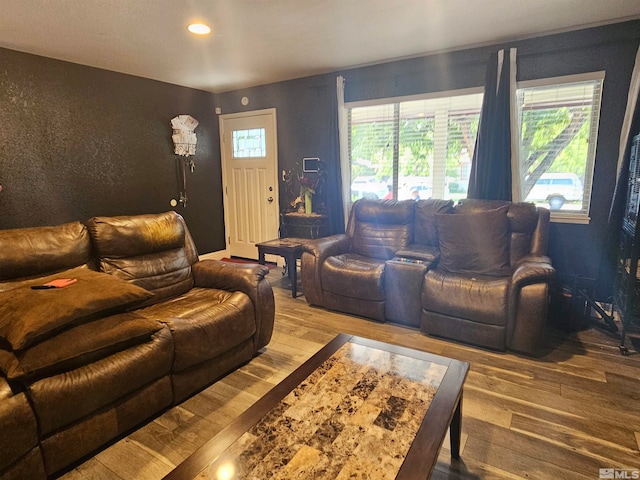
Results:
<point x="184" y="146"/>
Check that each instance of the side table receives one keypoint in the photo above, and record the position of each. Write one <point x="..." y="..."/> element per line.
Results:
<point x="304" y="225"/>
<point x="288" y="248"/>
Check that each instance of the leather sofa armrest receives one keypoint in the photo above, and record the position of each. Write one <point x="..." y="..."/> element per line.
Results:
<point x="533" y="259"/>
<point x="322" y="248"/>
<point x="427" y="254"/>
<point x="529" y="303"/>
<point x="313" y="256"/>
<point x="532" y="269"/>
<point x="249" y="279"/>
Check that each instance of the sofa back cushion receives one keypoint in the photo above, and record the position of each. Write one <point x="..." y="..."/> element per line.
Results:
<point x="379" y="228"/>
<point x="528" y="231"/>
<point x="475" y="243"/>
<point x="426" y="232"/>
<point x="29" y="316"/>
<point x="38" y="251"/>
<point x="153" y="251"/>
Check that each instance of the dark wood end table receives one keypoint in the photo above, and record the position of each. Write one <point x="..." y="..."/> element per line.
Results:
<point x="304" y="225"/>
<point x="288" y="248"/>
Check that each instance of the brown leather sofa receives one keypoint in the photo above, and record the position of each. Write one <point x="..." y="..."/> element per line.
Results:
<point x="146" y="325"/>
<point x="20" y="455"/>
<point x="476" y="272"/>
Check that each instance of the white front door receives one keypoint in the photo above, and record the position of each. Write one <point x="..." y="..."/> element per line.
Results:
<point x="250" y="182"/>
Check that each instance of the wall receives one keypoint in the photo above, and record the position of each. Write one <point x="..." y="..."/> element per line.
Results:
<point x="306" y="128"/>
<point x="93" y="142"/>
<point x="303" y="112"/>
<point x="77" y="141"/>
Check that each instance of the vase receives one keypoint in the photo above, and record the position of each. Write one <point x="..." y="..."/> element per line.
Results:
<point x="308" y="207"/>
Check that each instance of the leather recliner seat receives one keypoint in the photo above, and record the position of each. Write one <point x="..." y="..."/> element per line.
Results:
<point x="477" y="272"/>
<point x="347" y="272"/>
<point x="353" y="280"/>
<point x="502" y="304"/>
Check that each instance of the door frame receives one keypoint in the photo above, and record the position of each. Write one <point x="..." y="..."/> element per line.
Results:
<point x="223" y="161"/>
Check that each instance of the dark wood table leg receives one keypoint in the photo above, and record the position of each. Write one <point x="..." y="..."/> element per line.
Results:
<point x="292" y="267"/>
<point x="260" y="256"/>
<point x="455" y="430"/>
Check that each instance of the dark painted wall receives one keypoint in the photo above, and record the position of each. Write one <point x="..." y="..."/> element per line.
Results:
<point x="304" y="111"/>
<point x="94" y="142"/>
<point x="307" y="126"/>
<point x="76" y="142"/>
<point x="574" y="248"/>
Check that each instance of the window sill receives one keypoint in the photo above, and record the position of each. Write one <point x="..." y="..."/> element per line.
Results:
<point x="578" y="218"/>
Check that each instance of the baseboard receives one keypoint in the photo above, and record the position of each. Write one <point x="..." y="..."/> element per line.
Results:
<point x="219" y="255"/>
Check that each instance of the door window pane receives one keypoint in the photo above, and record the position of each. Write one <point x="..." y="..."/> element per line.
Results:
<point x="249" y="143"/>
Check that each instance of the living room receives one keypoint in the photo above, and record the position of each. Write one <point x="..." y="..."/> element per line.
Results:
<point x="79" y="141"/>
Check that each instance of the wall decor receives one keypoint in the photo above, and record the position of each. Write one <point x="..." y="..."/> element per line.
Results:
<point x="184" y="146"/>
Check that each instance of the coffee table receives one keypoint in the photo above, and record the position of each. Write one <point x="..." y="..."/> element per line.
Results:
<point x="358" y="406"/>
<point x="288" y="248"/>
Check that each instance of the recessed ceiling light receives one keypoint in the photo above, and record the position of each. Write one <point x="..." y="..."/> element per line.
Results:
<point x="199" y="29"/>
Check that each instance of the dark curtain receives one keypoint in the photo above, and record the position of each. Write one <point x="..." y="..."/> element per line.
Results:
<point x="333" y="174"/>
<point x="490" y="177"/>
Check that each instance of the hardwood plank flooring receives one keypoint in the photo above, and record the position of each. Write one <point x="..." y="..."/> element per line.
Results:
<point x="564" y="414"/>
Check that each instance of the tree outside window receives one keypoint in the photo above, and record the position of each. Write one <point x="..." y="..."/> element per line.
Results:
<point x="426" y="144"/>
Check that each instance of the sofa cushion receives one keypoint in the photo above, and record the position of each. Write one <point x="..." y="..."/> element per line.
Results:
<point x="382" y="228"/>
<point x="354" y="276"/>
<point x="204" y="322"/>
<point x="426" y="232"/>
<point x="28" y="316"/>
<point x="476" y="243"/>
<point x="482" y="299"/>
<point x="38" y="251"/>
<point x="154" y="251"/>
<point x="128" y="236"/>
<point x="62" y="399"/>
<point x="78" y="346"/>
<point x="523" y="221"/>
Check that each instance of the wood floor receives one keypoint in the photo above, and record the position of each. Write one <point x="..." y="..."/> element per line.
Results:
<point x="566" y="414"/>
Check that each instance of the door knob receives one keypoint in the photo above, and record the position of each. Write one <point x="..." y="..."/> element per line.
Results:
<point x="270" y="199"/>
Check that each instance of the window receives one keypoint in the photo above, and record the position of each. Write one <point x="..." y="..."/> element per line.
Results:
<point x="558" y="133"/>
<point x="419" y="147"/>
<point x="249" y="143"/>
<point x="422" y="146"/>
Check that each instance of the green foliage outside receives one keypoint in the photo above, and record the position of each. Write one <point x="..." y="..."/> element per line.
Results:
<point x="552" y="140"/>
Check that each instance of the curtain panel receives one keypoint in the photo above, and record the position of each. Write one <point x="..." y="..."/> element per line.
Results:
<point x="495" y="163"/>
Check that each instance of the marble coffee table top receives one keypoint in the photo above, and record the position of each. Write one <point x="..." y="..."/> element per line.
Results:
<point x="355" y="415"/>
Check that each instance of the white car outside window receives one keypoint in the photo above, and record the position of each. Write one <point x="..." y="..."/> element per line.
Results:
<point x="557" y="188"/>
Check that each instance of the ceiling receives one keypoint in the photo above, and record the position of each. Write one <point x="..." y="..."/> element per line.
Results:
<point x="255" y="42"/>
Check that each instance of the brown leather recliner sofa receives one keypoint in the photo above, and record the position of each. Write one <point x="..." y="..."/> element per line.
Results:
<point x="145" y="325"/>
<point x="476" y="272"/>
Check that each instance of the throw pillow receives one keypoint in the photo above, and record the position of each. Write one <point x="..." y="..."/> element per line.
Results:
<point x="476" y="243"/>
<point x="28" y="316"/>
<point x="78" y="346"/>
